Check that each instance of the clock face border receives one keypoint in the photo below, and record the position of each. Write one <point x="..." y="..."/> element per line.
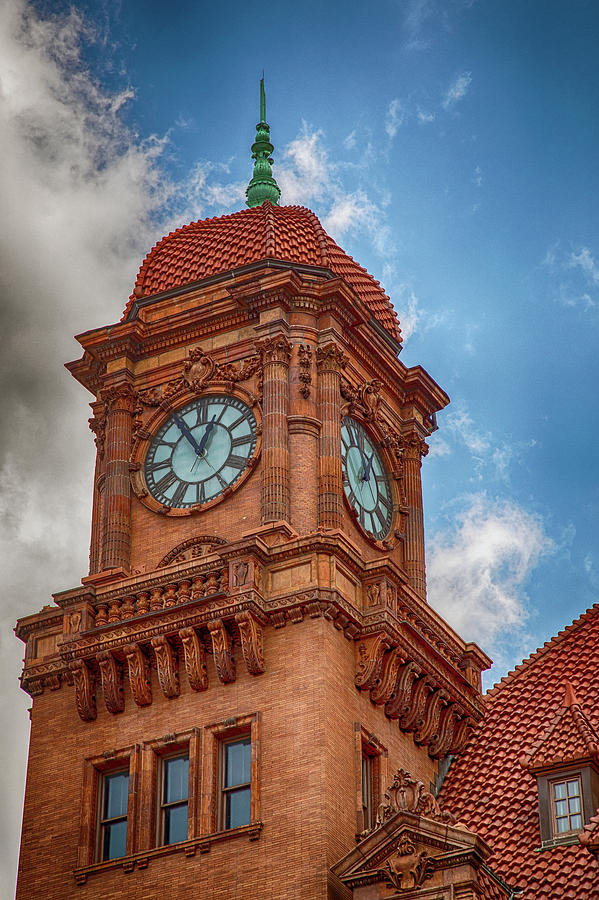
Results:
<point x="373" y="538"/>
<point x="148" y="434"/>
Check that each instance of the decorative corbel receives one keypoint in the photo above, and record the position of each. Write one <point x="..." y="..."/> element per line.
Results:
<point x="222" y="650"/>
<point x="112" y="681"/>
<point x="461" y="734"/>
<point x="439" y="746"/>
<point x="166" y="664"/>
<point x="371" y="651"/>
<point x="305" y="369"/>
<point x="194" y="655"/>
<point x="412" y="719"/>
<point x="85" y="695"/>
<point x="139" y="674"/>
<point x="250" y="631"/>
<point x="400" y="698"/>
<point x="432" y="716"/>
<point x="391" y="666"/>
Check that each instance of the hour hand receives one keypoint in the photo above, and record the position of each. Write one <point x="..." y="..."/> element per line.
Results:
<point x="206" y="434"/>
<point x="367" y="468"/>
<point x="181" y="425"/>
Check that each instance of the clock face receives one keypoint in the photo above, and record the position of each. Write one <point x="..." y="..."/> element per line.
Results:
<point x="200" y="450"/>
<point x="366" y="482"/>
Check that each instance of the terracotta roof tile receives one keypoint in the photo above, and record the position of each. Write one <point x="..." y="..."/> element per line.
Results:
<point x="495" y="796"/>
<point x="287" y="233"/>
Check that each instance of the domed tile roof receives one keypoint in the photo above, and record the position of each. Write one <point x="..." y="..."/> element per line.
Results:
<point x="290" y="234"/>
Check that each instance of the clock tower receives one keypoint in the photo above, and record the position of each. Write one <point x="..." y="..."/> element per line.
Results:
<point x="249" y="679"/>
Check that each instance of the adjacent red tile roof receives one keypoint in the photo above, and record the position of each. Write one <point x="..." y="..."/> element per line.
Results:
<point x="288" y="233"/>
<point x="493" y="794"/>
<point x="570" y="737"/>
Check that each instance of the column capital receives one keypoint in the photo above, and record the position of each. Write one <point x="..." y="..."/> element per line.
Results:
<point x="275" y="349"/>
<point x="330" y="358"/>
<point x="119" y="397"/>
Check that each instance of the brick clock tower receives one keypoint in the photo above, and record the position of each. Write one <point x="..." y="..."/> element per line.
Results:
<point x="248" y="695"/>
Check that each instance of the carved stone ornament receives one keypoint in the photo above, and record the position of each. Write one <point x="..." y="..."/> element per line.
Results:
<point x="402" y="694"/>
<point x="193" y="548"/>
<point x="85" y="697"/>
<point x="371" y="652"/>
<point x="409" y="868"/>
<point x="98" y="426"/>
<point x="194" y="655"/>
<point x="388" y="679"/>
<point x="198" y="369"/>
<point x="305" y="369"/>
<point x="222" y="649"/>
<point x="139" y="674"/>
<point x="406" y="794"/>
<point x="240" y="573"/>
<point x="364" y="400"/>
<point x="250" y="631"/>
<point x="112" y="682"/>
<point x="413" y="446"/>
<point x="166" y="664"/>
<point x="330" y="357"/>
<point x="120" y="397"/>
<point x="274" y="349"/>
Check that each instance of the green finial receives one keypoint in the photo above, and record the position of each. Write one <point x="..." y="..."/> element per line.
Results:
<point x="262" y="186"/>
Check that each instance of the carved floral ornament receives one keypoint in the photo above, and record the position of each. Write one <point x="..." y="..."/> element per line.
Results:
<point x="409" y="867"/>
<point x="406" y="794"/>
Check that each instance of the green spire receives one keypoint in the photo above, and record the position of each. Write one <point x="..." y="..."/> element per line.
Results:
<point x="262" y="186"/>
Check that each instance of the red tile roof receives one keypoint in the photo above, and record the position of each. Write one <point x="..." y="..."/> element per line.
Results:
<point x="570" y="737"/>
<point x="493" y="794"/>
<point x="288" y="233"/>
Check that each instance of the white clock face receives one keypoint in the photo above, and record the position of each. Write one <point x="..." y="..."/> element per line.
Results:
<point x="366" y="482"/>
<point x="201" y="450"/>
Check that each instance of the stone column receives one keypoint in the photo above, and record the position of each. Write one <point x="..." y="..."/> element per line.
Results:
<point x="275" y="353"/>
<point x="330" y="360"/>
<point x="98" y="426"/>
<point x="414" y="448"/>
<point x="116" y="536"/>
<point x="304" y="429"/>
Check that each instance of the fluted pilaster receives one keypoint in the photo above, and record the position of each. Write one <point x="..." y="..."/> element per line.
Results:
<point x="330" y="360"/>
<point x="414" y="448"/>
<point x="117" y="491"/>
<point x="275" y="353"/>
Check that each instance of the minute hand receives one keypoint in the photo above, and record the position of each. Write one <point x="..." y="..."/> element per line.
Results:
<point x="206" y="434"/>
<point x="187" y="433"/>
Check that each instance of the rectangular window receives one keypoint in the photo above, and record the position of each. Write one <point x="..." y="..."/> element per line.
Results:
<point x="367" y="811"/>
<point x="174" y="799"/>
<point x="236" y="782"/>
<point x="566" y="799"/>
<point x="113" y="815"/>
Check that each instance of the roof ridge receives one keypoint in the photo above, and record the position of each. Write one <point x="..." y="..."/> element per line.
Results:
<point x="549" y="645"/>
<point x="586" y="731"/>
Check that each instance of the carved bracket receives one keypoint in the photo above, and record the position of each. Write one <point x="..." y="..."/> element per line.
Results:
<point x="406" y="794"/>
<point x="85" y="696"/>
<point x="222" y="649"/>
<point x="413" y="718"/>
<point x="166" y="664"/>
<point x="386" y="685"/>
<point x="400" y="698"/>
<point x="250" y="631"/>
<point x="112" y="681"/>
<point x="194" y="655"/>
<point x="139" y="674"/>
<point x="371" y="652"/>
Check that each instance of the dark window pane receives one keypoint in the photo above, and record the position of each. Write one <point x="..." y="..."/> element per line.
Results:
<point x="561" y="807"/>
<point x="237" y="763"/>
<point x="116" y="788"/>
<point x="574" y="805"/>
<point x="115" y="840"/>
<point x="175" y="824"/>
<point x="562" y="825"/>
<point x="576" y="822"/>
<point x="176" y="779"/>
<point x="237" y="810"/>
<point x="573" y="789"/>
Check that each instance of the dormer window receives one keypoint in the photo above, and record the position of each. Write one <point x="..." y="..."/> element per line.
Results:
<point x="566" y="799"/>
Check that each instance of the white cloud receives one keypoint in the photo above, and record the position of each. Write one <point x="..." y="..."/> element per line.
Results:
<point x="457" y="90"/>
<point x="477" y="570"/>
<point x="477" y="178"/>
<point x="577" y="270"/>
<point x="424" y="117"/>
<point x="585" y="261"/>
<point x="395" y="118"/>
<point x="349" y="142"/>
<point x="461" y="423"/>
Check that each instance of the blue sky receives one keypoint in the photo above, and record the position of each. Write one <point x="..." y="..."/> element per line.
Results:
<point x="450" y="147"/>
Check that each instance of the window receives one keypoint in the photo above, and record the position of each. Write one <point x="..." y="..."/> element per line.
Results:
<point x="371" y="772"/>
<point x="566" y="797"/>
<point x="174" y="799"/>
<point x="236" y="782"/>
<point x="113" y="815"/>
<point x="367" y="811"/>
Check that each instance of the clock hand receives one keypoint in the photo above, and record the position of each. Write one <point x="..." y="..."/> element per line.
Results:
<point x="181" y="425"/>
<point x="367" y="468"/>
<point x="206" y="434"/>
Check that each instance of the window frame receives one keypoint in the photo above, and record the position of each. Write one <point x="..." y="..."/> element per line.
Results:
<point x="89" y="851"/>
<point x="225" y="792"/>
<point x="215" y="737"/>
<point x="589" y="783"/>
<point x="565" y="780"/>
<point x="105" y="822"/>
<point x="162" y="806"/>
<point x="150" y="826"/>
<point x="368" y="749"/>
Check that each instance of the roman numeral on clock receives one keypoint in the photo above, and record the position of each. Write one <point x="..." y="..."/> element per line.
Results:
<point x="180" y="491"/>
<point x="237" y="462"/>
<point x="166" y="482"/>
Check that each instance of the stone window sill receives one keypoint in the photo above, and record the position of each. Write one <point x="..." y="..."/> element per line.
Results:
<point x="142" y="859"/>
